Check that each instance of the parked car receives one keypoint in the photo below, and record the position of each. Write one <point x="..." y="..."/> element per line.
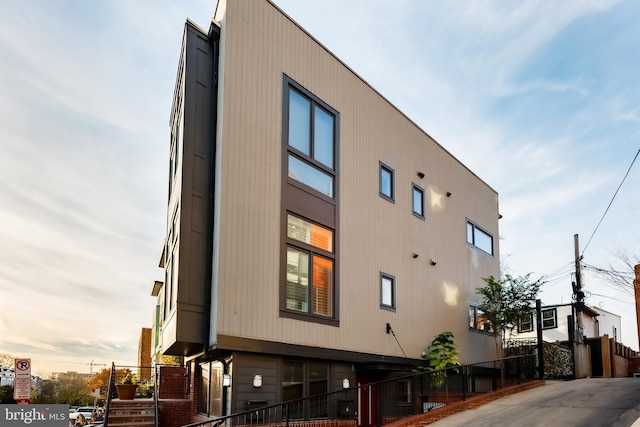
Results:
<point x="81" y="415"/>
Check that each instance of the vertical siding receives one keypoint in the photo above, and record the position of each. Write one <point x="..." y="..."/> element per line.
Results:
<point x="261" y="44"/>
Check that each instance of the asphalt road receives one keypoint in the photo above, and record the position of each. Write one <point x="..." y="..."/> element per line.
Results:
<point x="592" y="402"/>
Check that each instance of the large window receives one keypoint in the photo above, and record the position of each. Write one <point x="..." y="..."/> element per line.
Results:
<point x="310" y="141"/>
<point x="386" y="182"/>
<point x="305" y="379"/>
<point x="418" y="201"/>
<point x="210" y="389"/>
<point x="309" y="267"/>
<point x="387" y="291"/>
<point x="479" y="238"/>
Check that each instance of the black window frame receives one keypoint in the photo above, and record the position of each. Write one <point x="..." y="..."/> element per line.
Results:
<point x="526" y="320"/>
<point x="311" y="204"/>
<point x="472" y="242"/>
<point x="312" y="251"/>
<point x="554" y="318"/>
<point x="392" y="278"/>
<point x="386" y="168"/>
<point x="416" y="188"/>
<point x="473" y="322"/>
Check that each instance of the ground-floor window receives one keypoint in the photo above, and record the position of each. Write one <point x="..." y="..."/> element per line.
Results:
<point x="210" y="389"/>
<point x="302" y="379"/>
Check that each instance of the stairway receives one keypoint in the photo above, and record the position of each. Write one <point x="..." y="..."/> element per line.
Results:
<point x="131" y="413"/>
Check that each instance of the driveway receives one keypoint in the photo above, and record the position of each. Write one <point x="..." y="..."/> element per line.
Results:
<point x="592" y="402"/>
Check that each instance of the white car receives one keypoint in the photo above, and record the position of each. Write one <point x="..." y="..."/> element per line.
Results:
<point x="85" y="411"/>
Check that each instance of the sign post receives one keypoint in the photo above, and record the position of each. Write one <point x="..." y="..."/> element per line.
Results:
<point x="22" y="381"/>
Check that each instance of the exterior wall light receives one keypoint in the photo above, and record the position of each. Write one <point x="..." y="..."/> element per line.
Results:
<point x="421" y="175"/>
<point x="226" y="380"/>
<point x="257" y="381"/>
<point x="345" y="383"/>
<point x="433" y="262"/>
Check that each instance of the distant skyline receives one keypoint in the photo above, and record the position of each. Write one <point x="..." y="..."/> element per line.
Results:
<point x="538" y="100"/>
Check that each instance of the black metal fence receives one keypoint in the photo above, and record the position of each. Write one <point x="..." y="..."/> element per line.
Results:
<point x="386" y="401"/>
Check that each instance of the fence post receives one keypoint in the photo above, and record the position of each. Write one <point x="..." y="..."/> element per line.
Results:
<point x="464" y="383"/>
<point x="286" y="410"/>
<point x="539" y="335"/>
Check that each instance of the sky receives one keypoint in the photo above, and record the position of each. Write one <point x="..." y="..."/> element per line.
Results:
<point x="539" y="99"/>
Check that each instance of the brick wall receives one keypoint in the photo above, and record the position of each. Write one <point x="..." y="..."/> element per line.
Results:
<point x="634" y="365"/>
<point x="173" y="413"/>
<point x="172" y="383"/>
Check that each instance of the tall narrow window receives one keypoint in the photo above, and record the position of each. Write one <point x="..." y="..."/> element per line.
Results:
<point x="418" y="201"/>
<point x="386" y="182"/>
<point x="310" y="146"/>
<point x="387" y="291"/>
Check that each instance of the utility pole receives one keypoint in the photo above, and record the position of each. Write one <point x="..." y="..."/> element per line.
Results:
<point x="636" y="289"/>
<point x="578" y="294"/>
<point x="91" y="365"/>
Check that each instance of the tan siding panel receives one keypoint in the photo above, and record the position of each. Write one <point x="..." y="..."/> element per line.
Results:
<point x="375" y="235"/>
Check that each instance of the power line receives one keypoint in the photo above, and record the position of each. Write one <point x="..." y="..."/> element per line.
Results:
<point x="614" y="196"/>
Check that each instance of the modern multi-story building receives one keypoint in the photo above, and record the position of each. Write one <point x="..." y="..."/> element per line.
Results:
<point x="314" y="232"/>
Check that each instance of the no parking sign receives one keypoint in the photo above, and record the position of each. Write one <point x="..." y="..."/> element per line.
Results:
<point x="22" y="381"/>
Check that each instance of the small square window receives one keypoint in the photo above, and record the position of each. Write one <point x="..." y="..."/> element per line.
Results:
<point x="387" y="291"/>
<point x="386" y="182"/>
<point x="418" y="201"/>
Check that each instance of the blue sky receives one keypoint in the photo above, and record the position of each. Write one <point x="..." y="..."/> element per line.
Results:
<point x="540" y="100"/>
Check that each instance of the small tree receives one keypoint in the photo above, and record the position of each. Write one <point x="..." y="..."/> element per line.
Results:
<point x="507" y="301"/>
<point x="442" y="354"/>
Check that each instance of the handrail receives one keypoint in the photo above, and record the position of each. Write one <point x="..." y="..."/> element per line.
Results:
<point x="118" y="371"/>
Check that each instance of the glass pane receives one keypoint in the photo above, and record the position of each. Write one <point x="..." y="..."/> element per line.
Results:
<point x="318" y="386"/>
<point x="417" y="202"/>
<point x="309" y="233"/>
<point x="292" y="380"/>
<point x="215" y="399"/>
<point x="472" y="317"/>
<point x="322" y="286"/>
<point x="297" y="280"/>
<point x="470" y="233"/>
<point x="323" y="137"/>
<point x="307" y="174"/>
<point x="299" y="122"/>
<point x="387" y="291"/>
<point x="483" y="241"/>
<point x="203" y="392"/>
<point x="385" y="182"/>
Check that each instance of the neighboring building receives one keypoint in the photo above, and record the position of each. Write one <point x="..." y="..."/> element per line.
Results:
<point x="7" y="376"/>
<point x="144" y="354"/>
<point x="609" y="324"/>
<point x="314" y="232"/>
<point x="559" y="324"/>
